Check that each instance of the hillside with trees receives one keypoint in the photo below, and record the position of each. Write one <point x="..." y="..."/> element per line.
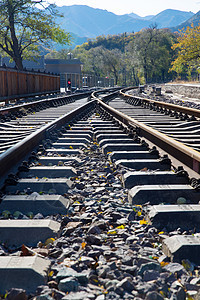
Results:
<point x="130" y="59"/>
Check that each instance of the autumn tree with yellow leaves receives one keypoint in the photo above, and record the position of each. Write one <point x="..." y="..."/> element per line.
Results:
<point x="187" y="48"/>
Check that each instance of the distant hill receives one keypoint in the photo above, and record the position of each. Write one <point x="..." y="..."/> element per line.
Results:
<point x="195" y="19"/>
<point x="85" y="21"/>
<point x="170" y="18"/>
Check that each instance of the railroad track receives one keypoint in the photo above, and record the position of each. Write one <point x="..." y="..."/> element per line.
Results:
<point x="95" y="212"/>
<point x="19" y="121"/>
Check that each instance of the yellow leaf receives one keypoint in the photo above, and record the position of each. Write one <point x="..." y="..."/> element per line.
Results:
<point x="70" y="147"/>
<point x="51" y="274"/>
<point x="163" y="264"/>
<point x="162" y="232"/>
<point x="143" y="222"/>
<point x="83" y="245"/>
<point x="49" y="241"/>
<point x="112" y="232"/>
<point x="155" y="257"/>
<point x="139" y="213"/>
<point x="121" y="227"/>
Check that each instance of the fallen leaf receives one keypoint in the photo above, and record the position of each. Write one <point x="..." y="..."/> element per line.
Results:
<point x="83" y="245"/>
<point x="143" y="222"/>
<point x="49" y="241"/>
<point x="26" y="251"/>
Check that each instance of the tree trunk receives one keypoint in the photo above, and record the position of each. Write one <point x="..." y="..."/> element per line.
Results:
<point x="18" y="63"/>
<point x="15" y="45"/>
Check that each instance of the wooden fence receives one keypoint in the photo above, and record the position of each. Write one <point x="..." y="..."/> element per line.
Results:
<point x="15" y="84"/>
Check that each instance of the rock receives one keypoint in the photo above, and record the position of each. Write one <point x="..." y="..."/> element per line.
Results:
<point x="17" y="294"/>
<point x="180" y="294"/>
<point x="69" y="272"/>
<point x="131" y="216"/>
<point x="111" y="283"/>
<point x="145" y="287"/>
<point x="151" y="275"/>
<point x="175" y="268"/>
<point x="113" y="295"/>
<point x="128" y="269"/>
<point x="44" y="297"/>
<point x="88" y="261"/>
<point x="80" y="296"/>
<point x="94" y="254"/>
<point x="131" y="239"/>
<point x="53" y="284"/>
<point x="103" y="270"/>
<point x="100" y="297"/>
<point x="38" y="216"/>
<point x="126" y="285"/>
<point x="42" y="251"/>
<point x="149" y="266"/>
<point x="153" y="296"/>
<point x="69" y="284"/>
<point x="115" y="216"/>
<point x="55" y="253"/>
<point x="73" y="225"/>
<point x="93" y="240"/>
<point x="101" y="224"/>
<point x="94" y="230"/>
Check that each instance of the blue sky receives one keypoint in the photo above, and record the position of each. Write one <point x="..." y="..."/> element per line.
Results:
<point x="141" y="7"/>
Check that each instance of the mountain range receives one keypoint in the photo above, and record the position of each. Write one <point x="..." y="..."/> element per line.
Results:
<point x="85" y="22"/>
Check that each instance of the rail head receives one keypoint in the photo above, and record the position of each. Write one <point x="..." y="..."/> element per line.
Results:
<point x="183" y="153"/>
<point x="6" y="110"/>
<point x="14" y="155"/>
<point x="162" y="105"/>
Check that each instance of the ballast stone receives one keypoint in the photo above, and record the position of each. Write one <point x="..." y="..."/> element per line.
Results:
<point x="50" y="172"/>
<point x="179" y="247"/>
<point x="131" y="179"/>
<point x="139" y="164"/>
<point x="28" y="232"/>
<point x="156" y="194"/>
<point x="174" y="216"/>
<point x="23" y="272"/>
<point x="47" y="185"/>
<point x="35" y="203"/>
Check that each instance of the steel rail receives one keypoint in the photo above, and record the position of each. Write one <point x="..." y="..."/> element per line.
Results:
<point x="6" y="110"/>
<point x="183" y="153"/>
<point x="19" y="151"/>
<point x="161" y="105"/>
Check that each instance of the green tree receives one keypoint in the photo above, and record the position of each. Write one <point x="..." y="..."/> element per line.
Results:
<point x="113" y="63"/>
<point x="152" y="49"/>
<point x="24" y="27"/>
